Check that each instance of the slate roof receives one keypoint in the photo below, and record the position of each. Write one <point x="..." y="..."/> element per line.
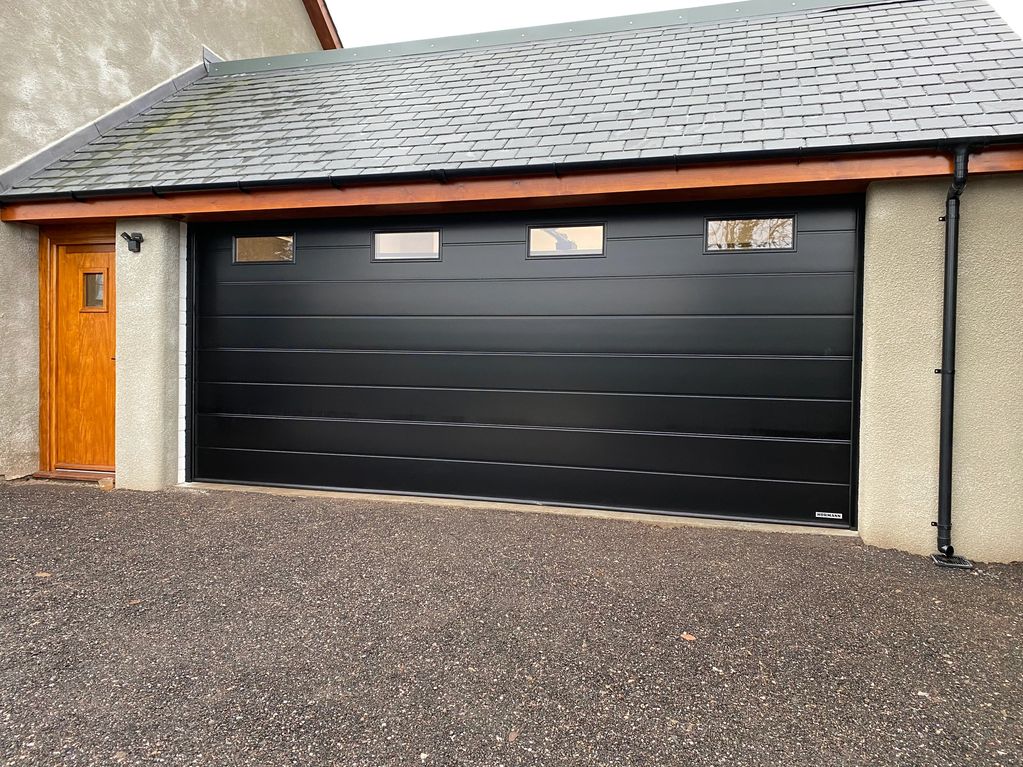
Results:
<point x="828" y="78"/>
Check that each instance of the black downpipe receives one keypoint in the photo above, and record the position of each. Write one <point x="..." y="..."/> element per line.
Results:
<point x="948" y="350"/>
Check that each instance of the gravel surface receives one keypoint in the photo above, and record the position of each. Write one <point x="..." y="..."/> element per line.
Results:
<point x="225" y="628"/>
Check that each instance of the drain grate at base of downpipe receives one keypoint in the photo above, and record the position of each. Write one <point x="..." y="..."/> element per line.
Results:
<point x="960" y="563"/>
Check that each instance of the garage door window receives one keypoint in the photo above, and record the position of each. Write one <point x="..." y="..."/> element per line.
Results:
<point x="273" y="249"/>
<point x="750" y="233"/>
<point x="406" y="246"/>
<point x="566" y="241"/>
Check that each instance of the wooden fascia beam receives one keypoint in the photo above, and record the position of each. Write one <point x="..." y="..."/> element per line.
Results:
<point x="777" y="176"/>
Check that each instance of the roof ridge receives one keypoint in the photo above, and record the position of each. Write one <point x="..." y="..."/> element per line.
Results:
<point x="704" y="14"/>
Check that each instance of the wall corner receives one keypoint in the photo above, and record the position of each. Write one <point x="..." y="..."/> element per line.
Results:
<point x="19" y="339"/>
<point x="900" y="393"/>
<point x="148" y="355"/>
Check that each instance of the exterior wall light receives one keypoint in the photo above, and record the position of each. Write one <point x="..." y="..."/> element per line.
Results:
<point x="134" y="241"/>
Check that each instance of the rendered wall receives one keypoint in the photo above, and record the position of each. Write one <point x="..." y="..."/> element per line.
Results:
<point x="19" y="346"/>
<point x="902" y="308"/>
<point x="148" y="355"/>
<point x="63" y="63"/>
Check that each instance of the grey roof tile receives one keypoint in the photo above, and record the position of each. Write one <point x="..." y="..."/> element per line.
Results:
<point x="864" y="75"/>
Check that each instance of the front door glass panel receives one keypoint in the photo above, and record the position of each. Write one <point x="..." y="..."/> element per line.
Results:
<point x="93" y="288"/>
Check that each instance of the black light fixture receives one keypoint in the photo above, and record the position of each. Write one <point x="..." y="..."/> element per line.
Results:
<point x="134" y="241"/>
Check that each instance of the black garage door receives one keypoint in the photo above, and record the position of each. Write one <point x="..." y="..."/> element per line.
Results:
<point x="643" y="371"/>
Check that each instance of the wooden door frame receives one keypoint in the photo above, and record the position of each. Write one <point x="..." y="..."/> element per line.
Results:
<point x="51" y="239"/>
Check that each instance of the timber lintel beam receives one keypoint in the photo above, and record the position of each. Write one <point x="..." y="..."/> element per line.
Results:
<point x="777" y="176"/>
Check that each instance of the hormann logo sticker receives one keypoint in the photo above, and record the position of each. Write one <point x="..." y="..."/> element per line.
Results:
<point x="828" y="515"/>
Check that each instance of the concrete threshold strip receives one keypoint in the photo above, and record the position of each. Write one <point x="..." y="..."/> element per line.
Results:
<point x="652" y="518"/>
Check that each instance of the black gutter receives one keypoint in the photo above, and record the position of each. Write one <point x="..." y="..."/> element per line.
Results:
<point x="948" y="350"/>
<point x="558" y="169"/>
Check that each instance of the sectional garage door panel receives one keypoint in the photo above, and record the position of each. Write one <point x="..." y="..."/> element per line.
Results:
<point x="755" y="416"/>
<point x="761" y="500"/>
<point x="734" y="376"/>
<point x="761" y="294"/>
<point x="743" y="335"/>
<point x="657" y="376"/>
<point x="755" y="457"/>
<point x="627" y="257"/>
<point x="640" y="244"/>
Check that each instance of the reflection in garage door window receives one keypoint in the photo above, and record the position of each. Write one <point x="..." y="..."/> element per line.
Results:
<point x="264" y="250"/>
<point x="562" y="241"/>
<point x="406" y="246"/>
<point x="751" y="233"/>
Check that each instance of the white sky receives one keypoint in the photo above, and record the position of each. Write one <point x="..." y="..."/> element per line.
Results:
<point x="389" y="21"/>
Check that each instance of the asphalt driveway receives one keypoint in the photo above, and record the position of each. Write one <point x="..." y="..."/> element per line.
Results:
<point x="192" y="627"/>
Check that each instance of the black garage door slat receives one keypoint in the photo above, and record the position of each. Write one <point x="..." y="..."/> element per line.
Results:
<point x="799" y="336"/>
<point x="705" y="295"/>
<point x="821" y="378"/>
<point x="660" y="256"/>
<point x="656" y="376"/>
<point x="756" y="499"/>
<point x="645" y="412"/>
<point x="762" y="458"/>
<point x="638" y="223"/>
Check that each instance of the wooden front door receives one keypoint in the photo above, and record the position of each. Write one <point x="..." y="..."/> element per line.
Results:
<point x="81" y="360"/>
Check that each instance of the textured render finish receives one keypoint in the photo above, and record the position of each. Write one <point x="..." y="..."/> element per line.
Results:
<point x="182" y="382"/>
<point x="917" y="70"/>
<point x="989" y="407"/>
<point x="19" y="342"/>
<point x="902" y="307"/>
<point x="148" y="352"/>
<point x="63" y="64"/>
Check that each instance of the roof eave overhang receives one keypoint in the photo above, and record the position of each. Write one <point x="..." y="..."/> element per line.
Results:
<point x="553" y="185"/>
